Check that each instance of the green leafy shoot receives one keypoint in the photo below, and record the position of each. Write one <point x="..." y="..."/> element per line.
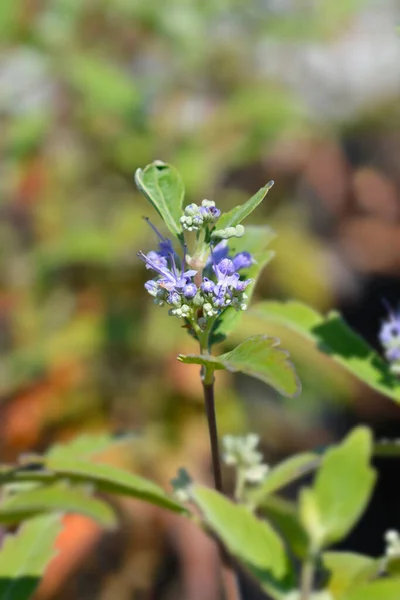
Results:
<point x="341" y="490"/>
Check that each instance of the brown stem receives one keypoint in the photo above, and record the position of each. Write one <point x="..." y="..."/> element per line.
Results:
<point x="212" y="428"/>
<point x="229" y="575"/>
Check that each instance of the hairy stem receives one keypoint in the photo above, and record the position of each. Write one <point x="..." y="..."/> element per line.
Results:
<point x="213" y="431"/>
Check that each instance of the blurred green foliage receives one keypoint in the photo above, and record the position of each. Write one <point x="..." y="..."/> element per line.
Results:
<point x="90" y="91"/>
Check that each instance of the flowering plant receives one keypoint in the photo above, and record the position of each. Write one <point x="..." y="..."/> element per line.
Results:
<point x="200" y="286"/>
<point x="206" y="277"/>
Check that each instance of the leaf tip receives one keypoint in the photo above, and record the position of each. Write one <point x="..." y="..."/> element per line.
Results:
<point x="138" y="174"/>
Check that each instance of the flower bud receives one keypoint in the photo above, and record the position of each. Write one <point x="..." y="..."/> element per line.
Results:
<point x="191" y="210"/>
<point x="229" y="232"/>
<point x="190" y="290"/>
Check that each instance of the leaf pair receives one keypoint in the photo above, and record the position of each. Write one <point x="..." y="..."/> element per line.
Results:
<point x="259" y="357"/>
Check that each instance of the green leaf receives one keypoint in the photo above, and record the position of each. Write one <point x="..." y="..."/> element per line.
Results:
<point x="341" y="490"/>
<point x="259" y="357"/>
<point x="237" y="214"/>
<point x="284" y="517"/>
<point x="25" y="555"/>
<point x="57" y="497"/>
<point x="108" y="478"/>
<point x="332" y="336"/>
<point x="256" y="240"/>
<point x="388" y="589"/>
<point x="163" y="187"/>
<point x="250" y="540"/>
<point x="285" y="473"/>
<point x="346" y="570"/>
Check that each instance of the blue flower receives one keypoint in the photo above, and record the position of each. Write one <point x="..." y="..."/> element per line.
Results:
<point x="242" y="260"/>
<point x="242" y="285"/>
<point x="208" y="211"/>
<point x="390" y="331"/>
<point x="389" y="337"/>
<point x="165" y="247"/>
<point x="221" y="285"/>
<point x="226" y="275"/>
<point x="171" y="279"/>
<point x="229" y="289"/>
<point x="393" y="354"/>
<point x="207" y="285"/>
<point x="157" y="259"/>
<point x="174" y="298"/>
<point x="189" y="291"/>
<point x="152" y="287"/>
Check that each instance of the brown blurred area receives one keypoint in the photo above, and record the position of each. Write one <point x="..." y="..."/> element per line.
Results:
<point x="234" y="94"/>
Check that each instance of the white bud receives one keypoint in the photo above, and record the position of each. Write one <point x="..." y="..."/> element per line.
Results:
<point x="208" y="203"/>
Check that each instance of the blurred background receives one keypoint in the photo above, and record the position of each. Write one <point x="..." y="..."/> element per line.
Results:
<point x="233" y="93"/>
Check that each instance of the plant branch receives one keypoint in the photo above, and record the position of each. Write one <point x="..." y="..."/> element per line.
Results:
<point x="213" y="432"/>
<point x="307" y="578"/>
<point x="229" y="574"/>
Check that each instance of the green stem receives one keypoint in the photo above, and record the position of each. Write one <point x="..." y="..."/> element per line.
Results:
<point x="240" y="484"/>
<point x="204" y="338"/>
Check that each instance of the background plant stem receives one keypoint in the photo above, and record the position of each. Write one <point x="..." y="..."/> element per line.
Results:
<point x="307" y="578"/>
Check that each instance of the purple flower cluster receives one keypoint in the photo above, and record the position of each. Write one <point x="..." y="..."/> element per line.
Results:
<point x="228" y="289"/>
<point x="389" y="337"/>
<point x="220" y="286"/>
<point x="173" y="286"/>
